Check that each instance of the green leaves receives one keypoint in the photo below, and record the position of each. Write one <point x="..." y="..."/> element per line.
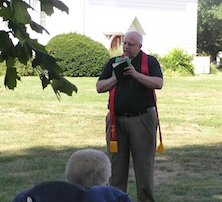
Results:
<point x="38" y="28"/>
<point x="64" y="86"/>
<point x="209" y="27"/>
<point x="5" y="41"/>
<point x="47" y="62"/>
<point x="11" y="78"/>
<point x="24" y="52"/>
<point x="52" y="72"/>
<point x="59" y="85"/>
<point x="5" y="11"/>
<point x="47" y="6"/>
<point x="20" y="11"/>
<point x="15" y="42"/>
<point x="19" y="30"/>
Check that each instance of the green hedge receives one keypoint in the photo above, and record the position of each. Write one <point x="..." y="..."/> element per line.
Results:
<point x="23" y="70"/>
<point x="78" y="55"/>
<point x="177" y="62"/>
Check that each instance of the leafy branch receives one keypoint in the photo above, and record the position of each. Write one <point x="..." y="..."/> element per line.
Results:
<point x="15" y="14"/>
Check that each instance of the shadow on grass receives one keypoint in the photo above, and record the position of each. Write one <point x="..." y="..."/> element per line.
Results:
<point x="29" y="167"/>
<point x="189" y="173"/>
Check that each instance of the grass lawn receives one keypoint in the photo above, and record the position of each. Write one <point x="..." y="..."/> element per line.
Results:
<point x="38" y="134"/>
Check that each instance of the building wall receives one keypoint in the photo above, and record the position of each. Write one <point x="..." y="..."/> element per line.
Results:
<point x="167" y="23"/>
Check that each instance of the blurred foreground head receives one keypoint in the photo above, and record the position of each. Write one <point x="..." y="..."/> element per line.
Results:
<point x="88" y="168"/>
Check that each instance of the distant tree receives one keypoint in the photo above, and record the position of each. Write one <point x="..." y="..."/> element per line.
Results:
<point x="209" y="27"/>
<point x="15" y="14"/>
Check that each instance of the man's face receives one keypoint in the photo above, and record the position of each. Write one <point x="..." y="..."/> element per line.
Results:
<point x="131" y="46"/>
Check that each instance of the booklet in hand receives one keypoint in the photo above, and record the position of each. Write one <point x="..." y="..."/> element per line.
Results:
<point x="118" y="68"/>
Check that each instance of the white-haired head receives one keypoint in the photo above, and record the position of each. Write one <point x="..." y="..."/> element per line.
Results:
<point x="88" y="168"/>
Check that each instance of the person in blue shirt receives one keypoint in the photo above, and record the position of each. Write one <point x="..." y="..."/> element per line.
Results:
<point x="87" y="173"/>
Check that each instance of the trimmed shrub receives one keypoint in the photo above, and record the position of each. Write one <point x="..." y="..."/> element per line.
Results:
<point x="23" y="70"/>
<point x="177" y="61"/>
<point x="78" y="55"/>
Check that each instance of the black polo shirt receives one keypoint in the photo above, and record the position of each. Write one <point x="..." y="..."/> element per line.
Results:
<point x="131" y="96"/>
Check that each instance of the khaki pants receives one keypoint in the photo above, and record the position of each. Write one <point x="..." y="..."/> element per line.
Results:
<point x="136" y="135"/>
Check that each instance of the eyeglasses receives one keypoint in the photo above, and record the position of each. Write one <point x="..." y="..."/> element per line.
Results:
<point x="129" y="44"/>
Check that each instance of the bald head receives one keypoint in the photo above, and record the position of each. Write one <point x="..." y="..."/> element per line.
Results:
<point x="132" y="44"/>
<point x="134" y="35"/>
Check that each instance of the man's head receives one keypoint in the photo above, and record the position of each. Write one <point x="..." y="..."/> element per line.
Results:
<point x="88" y="167"/>
<point x="132" y="44"/>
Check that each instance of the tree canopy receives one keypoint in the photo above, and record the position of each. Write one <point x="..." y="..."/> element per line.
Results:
<point x="15" y="14"/>
<point x="209" y="27"/>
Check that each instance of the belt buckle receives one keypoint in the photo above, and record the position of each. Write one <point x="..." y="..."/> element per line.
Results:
<point x="128" y="114"/>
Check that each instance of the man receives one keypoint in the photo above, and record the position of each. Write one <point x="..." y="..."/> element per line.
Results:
<point x="131" y="124"/>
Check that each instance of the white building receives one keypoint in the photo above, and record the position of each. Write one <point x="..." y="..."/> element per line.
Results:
<point x="165" y="24"/>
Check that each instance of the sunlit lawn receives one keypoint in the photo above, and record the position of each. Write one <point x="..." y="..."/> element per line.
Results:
<point x="38" y="134"/>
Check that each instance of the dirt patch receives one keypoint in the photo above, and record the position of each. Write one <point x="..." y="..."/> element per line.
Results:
<point x="165" y="173"/>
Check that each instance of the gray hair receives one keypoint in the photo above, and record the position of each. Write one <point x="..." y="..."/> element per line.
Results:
<point x="88" y="167"/>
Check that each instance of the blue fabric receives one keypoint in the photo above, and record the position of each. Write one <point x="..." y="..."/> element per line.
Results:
<point x="58" y="191"/>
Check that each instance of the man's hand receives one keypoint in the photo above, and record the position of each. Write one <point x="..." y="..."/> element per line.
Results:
<point x="130" y="71"/>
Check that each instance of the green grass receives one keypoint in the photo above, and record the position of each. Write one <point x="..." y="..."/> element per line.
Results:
<point x="38" y="134"/>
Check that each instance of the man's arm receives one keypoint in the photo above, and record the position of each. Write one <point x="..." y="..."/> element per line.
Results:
<point x="105" y="85"/>
<point x="152" y="82"/>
